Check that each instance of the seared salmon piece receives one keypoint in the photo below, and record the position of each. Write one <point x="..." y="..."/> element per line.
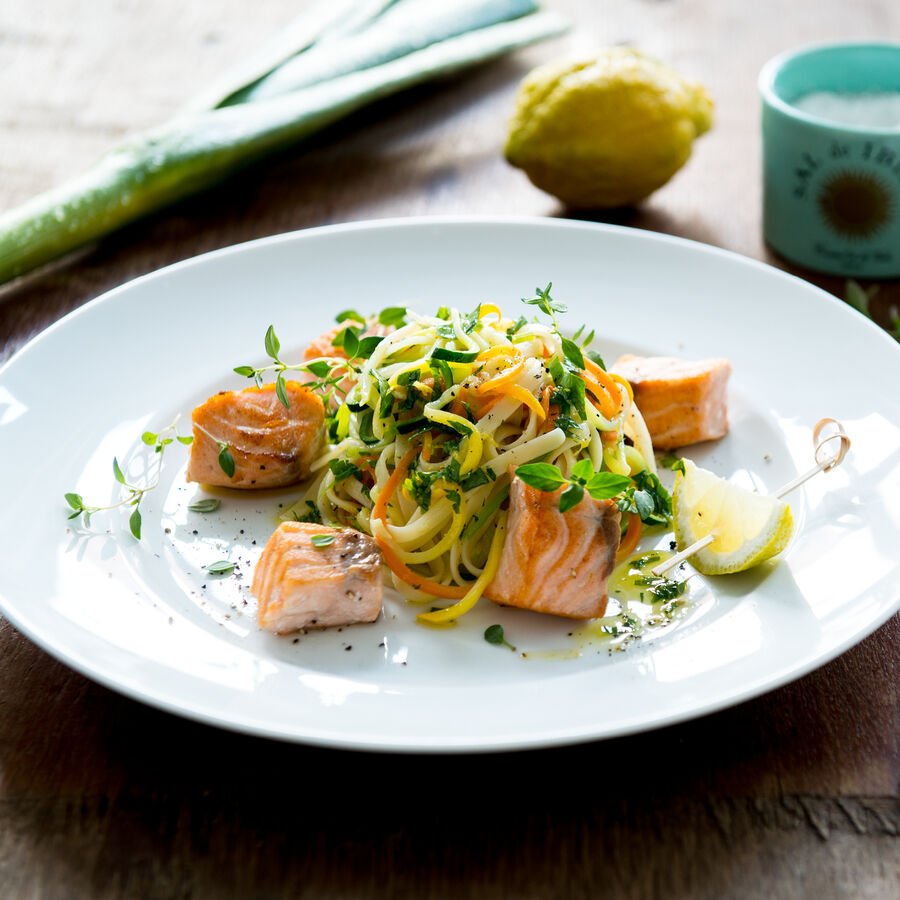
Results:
<point x="681" y="401"/>
<point x="300" y="585"/>
<point x="555" y="562"/>
<point x="271" y="445"/>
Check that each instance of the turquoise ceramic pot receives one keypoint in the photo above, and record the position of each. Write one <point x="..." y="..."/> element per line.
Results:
<point x="831" y="192"/>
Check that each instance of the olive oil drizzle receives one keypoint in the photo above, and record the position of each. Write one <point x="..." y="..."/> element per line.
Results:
<point x="638" y="603"/>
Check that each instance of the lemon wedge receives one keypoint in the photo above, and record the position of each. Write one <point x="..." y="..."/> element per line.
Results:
<point x="749" y="528"/>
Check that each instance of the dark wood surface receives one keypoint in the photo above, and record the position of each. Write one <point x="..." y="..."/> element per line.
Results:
<point x="794" y="794"/>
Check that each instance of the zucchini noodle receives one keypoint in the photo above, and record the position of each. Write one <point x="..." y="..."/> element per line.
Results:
<point x="435" y="418"/>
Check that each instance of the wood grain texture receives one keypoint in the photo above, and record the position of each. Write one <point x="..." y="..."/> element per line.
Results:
<point x="794" y="794"/>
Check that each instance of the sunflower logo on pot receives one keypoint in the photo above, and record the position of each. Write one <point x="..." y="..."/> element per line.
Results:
<point x="855" y="204"/>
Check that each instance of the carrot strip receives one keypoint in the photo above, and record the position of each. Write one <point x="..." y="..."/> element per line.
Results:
<point x="603" y="403"/>
<point x="545" y="401"/>
<point x="394" y="480"/>
<point x="473" y="594"/>
<point x="487" y="406"/>
<point x="630" y="539"/>
<point x="403" y="572"/>
<point x="593" y="368"/>
<point x="605" y="379"/>
<point x="396" y="565"/>
<point x="606" y="401"/>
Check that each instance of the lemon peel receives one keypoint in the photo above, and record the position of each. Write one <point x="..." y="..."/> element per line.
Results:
<point x="749" y="528"/>
<point x="605" y="131"/>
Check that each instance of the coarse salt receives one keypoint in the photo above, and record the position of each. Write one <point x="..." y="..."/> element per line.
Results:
<point x="875" y="109"/>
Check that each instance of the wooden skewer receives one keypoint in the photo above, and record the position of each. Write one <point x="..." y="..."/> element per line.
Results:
<point x="824" y="463"/>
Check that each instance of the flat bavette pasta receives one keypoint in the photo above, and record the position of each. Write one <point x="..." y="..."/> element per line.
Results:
<point x="434" y="423"/>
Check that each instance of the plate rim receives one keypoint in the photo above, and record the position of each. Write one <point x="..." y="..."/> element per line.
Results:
<point x="446" y="219"/>
<point x="383" y="742"/>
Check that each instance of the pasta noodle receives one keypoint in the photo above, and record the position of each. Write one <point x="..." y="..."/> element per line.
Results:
<point x="432" y="419"/>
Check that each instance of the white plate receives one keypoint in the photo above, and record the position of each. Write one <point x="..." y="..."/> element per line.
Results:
<point x="136" y="617"/>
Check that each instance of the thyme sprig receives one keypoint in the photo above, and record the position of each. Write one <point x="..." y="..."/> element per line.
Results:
<point x="575" y="348"/>
<point x="546" y="304"/>
<point x="135" y="493"/>
<point x="328" y="371"/>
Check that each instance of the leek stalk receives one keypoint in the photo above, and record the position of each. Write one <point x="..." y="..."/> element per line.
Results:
<point x="205" y="145"/>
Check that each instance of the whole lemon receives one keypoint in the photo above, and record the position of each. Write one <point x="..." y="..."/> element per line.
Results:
<point x="606" y="131"/>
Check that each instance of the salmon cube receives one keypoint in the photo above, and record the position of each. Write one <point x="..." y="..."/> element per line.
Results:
<point x="554" y="562"/>
<point x="271" y="445"/>
<point x="298" y="584"/>
<point x="682" y="401"/>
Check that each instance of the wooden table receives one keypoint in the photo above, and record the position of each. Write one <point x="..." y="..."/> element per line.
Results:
<point x="794" y="794"/>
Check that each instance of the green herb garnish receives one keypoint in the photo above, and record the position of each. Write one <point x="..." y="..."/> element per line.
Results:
<point x="673" y="462"/>
<point x="547" y="477"/>
<point x="644" y="560"/>
<point x="545" y="303"/>
<point x="342" y="469"/>
<point x="648" y="498"/>
<point x="661" y="588"/>
<point x="393" y="316"/>
<point x="323" y="370"/>
<point x="493" y="634"/>
<point x="206" y="505"/>
<point x="596" y="358"/>
<point x="135" y="493"/>
<point x="226" y="460"/>
<point x="516" y="326"/>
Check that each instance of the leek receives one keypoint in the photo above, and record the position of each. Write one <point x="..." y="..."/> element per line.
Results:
<point x="255" y="111"/>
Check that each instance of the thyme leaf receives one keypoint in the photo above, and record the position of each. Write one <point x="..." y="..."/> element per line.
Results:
<point x="206" y="505"/>
<point x="226" y="460"/>
<point x="493" y="634"/>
